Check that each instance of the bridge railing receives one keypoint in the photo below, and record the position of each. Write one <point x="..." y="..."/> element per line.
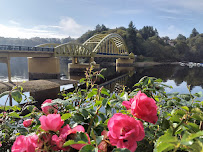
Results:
<point x="24" y="48"/>
<point x="124" y="54"/>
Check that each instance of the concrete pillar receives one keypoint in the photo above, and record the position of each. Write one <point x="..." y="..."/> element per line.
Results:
<point x="81" y="67"/>
<point x="43" y="68"/>
<point x="9" y="69"/>
<point x="8" y="63"/>
<point x="91" y="59"/>
<point x="122" y="62"/>
<point x="74" y="60"/>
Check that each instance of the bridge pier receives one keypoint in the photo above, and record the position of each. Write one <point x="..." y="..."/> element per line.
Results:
<point x="43" y="68"/>
<point x="77" y="67"/>
<point x="8" y="63"/>
<point x="124" y="62"/>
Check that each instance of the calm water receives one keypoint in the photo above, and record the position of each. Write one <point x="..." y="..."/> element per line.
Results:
<point x="174" y="75"/>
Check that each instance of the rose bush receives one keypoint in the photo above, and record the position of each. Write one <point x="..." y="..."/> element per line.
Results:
<point x="124" y="131"/>
<point x="27" y="123"/>
<point x="49" y="109"/>
<point x="51" y="122"/>
<point x="25" y="143"/>
<point x="94" y="119"/>
<point x="142" y="107"/>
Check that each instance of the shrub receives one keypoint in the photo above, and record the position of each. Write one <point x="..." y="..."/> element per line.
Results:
<point x="94" y="119"/>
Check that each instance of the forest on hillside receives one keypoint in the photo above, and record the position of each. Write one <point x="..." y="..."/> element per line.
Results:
<point x="144" y="42"/>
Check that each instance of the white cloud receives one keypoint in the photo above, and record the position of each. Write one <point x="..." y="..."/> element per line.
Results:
<point x="171" y="11"/>
<point x="192" y="5"/>
<point x="127" y="12"/>
<point x="66" y="27"/>
<point x="14" y="22"/>
<point x="175" y="18"/>
<point x="171" y="31"/>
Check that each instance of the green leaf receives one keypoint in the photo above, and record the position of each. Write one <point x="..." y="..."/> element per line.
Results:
<point x="120" y="150"/>
<point x="195" y="135"/>
<point x="82" y="80"/>
<point x="186" y="97"/>
<point x="102" y="116"/>
<point x="30" y="107"/>
<point x="16" y="95"/>
<point x="165" y="124"/>
<point x="78" y="117"/>
<point x="197" y="117"/>
<point x="66" y="116"/>
<point x="185" y="140"/>
<point x="108" y="110"/>
<point x="14" y="114"/>
<point x="98" y="102"/>
<point x="196" y="110"/>
<point x="185" y="107"/>
<point x="85" y="113"/>
<point x="99" y="139"/>
<point x="104" y="102"/>
<point x="166" y="142"/>
<point x="71" y="142"/>
<point x="105" y="92"/>
<point x="81" y="136"/>
<point x="87" y="148"/>
<point x="100" y="75"/>
<point x="199" y="94"/>
<point x="92" y="93"/>
<point x="158" y="80"/>
<point x="193" y="126"/>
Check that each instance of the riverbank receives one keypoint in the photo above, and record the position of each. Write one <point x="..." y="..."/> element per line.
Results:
<point x="152" y="63"/>
<point x="35" y="85"/>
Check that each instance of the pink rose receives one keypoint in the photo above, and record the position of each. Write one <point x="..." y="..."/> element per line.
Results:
<point x="0" y="144"/>
<point x="25" y="143"/>
<point x="27" y="123"/>
<point x="49" y="109"/>
<point x="124" y="131"/>
<point x="142" y="107"/>
<point x="51" y="122"/>
<point x="66" y="133"/>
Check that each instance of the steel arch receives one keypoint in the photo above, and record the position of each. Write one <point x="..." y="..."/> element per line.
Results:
<point x="72" y="50"/>
<point x="97" y="41"/>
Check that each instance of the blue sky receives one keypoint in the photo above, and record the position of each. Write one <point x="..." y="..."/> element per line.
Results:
<point x="63" y="18"/>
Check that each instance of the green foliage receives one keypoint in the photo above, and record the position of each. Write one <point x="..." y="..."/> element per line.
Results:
<point x="179" y="126"/>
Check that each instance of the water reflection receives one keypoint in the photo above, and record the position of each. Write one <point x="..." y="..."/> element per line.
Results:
<point x="174" y="75"/>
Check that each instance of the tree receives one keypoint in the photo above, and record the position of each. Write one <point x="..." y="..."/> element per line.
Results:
<point x="194" y="33"/>
<point x="131" y="38"/>
<point x="181" y="37"/>
<point x="148" y="31"/>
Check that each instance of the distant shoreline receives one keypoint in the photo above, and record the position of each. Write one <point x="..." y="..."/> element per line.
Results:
<point x="152" y="63"/>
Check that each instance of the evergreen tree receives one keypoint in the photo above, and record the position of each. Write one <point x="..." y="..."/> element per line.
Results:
<point x="181" y="37"/>
<point x="194" y="33"/>
<point x="131" y="38"/>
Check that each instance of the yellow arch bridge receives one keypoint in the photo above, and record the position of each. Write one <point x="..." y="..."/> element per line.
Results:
<point x="43" y="59"/>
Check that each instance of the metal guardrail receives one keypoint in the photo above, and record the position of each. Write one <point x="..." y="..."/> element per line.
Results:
<point x="25" y="48"/>
<point x="113" y="54"/>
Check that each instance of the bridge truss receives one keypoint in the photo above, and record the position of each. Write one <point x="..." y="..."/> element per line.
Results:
<point x="96" y="46"/>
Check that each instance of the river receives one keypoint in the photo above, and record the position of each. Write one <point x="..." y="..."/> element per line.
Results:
<point x="174" y="75"/>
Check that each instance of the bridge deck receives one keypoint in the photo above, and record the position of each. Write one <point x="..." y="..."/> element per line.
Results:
<point x="11" y="53"/>
<point x="24" y="51"/>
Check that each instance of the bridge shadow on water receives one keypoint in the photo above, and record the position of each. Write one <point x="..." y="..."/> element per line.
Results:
<point x="174" y="75"/>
